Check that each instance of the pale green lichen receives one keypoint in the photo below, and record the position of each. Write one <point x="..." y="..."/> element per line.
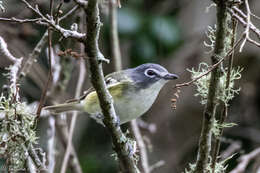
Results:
<point x="224" y="94"/>
<point x="220" y="167"/>
<point x="16" y="132"/>
<point x="211" y="34"/>
<point x="216" y="128"/>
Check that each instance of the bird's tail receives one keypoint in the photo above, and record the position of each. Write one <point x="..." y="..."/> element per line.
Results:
<point x="65" y="107"/>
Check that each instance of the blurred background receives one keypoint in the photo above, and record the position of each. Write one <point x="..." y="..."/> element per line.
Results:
<point x="168" y="32"/>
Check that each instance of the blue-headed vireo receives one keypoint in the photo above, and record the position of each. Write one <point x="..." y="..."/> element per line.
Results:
<point x="133" y="90"/>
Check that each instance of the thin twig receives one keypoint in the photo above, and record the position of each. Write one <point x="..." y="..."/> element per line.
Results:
<point x="82" y="72"/>
<point x="114" y="40"/>
<point x="49" y="21"/>
<point x="30" y="165"/>
<point x="81" y="3"/>
<point x="81" y="77"/>
<point x="75" y="8"/>
<point x="248" y="21"/>
<point x="244" y="161"/>
<point x="43" y="95"/>
<point x="4" y="51"/>
<point x="14" y="69"/>
<point x="16" y="20"/>
<point x="51" y="8"/>
<point x="35" y="158"/>
<point x="142" y="147"/>
<point x="62" y="128"/>
<point x="241" y="17"/>
<point x="156" y="165"/>
<point x="232" y="148"/>
<point x="51" y="145"/>
<point x="38" y="48"/>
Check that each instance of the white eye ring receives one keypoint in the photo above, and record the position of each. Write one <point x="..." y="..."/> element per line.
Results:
<point x="150" y="73"/>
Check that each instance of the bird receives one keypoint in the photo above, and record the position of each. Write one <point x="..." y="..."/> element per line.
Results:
<point x="133" y="90"/>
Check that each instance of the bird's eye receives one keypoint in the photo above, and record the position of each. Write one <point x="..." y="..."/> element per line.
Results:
<point x="150" y="73"/>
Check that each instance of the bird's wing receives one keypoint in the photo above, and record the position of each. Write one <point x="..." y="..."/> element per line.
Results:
<point x="111" y="80"/>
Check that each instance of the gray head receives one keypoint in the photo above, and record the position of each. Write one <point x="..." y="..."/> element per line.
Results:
<point x="147" y="74"/>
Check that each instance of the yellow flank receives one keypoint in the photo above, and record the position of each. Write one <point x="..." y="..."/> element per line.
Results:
<point x="91" y="101"/>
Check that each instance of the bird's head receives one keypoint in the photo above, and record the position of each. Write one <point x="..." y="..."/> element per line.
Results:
<point x="147" y="75"/>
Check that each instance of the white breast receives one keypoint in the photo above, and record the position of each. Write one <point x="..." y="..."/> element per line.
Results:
<point x="136" y="104"/>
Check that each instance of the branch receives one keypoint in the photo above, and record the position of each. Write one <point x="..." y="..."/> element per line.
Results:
<point x="223" y="116"/>
<point x="142" y="147"/>
<point x="241" y="17"/>
<point x="30" y="165"/>
<point x="13" y="19"/>
<point x="4" y="51"/>
<point x="49" y="21"/>
<point x="82" y="72"/>
<point x="121" y="144"/>
<point x="220" y="50"/>
<point x="247" y="26"/>
<point x="114" y="40"/>
<point x="244" y="161"/>
<point x="62" y="128"/>
<point x="156" y="165"/>
<point x="51" y="145"/>
<point x="38" y="48"/>
<point x="13" y="69"/>
<point x="232" y="148"/>
<point x="81" y="3"/>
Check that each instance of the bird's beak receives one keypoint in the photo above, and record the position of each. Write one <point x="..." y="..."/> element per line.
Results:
<point x="170" y="76"/>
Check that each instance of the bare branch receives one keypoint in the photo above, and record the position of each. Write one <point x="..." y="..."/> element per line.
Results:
<point x="49" y="21"/>
<point x="244" y="161"/>
<point x="62" y="128"/>
<point x="156" y="165"/>
<point x="114" y="40"/>
<point x="241" y="17"/>
<point x="38" y="48"/>
<point x="13" y="69"/>
<point x="4" y="51"/>
<point x="43" y="94"/>
<point x="51" y="144"/>
<point x="236" y="145"/>
<point x="69" y="13"/>
<point x="142" y="147"/>
<point x="248" y="21"/>
<point x="81" y="3"/>
<point x="13" y="19"/>
<point x="82" y="72"/>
